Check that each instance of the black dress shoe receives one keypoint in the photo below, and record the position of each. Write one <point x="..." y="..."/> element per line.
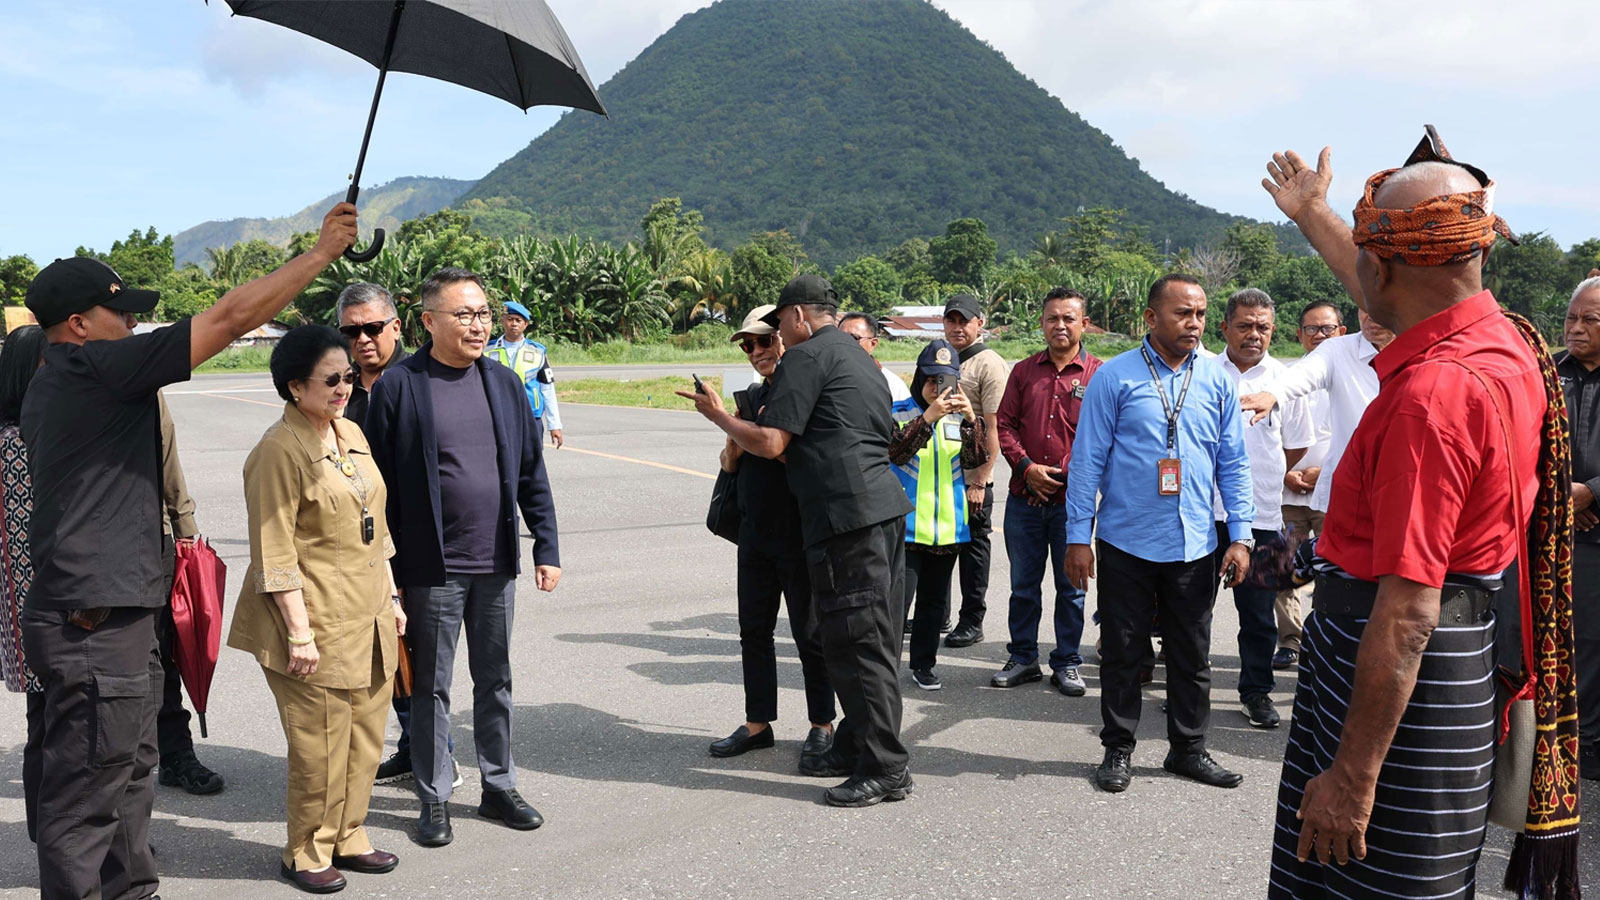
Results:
<point x="1016" y="673"/>
<point x="742" y="741"/>
<point x="871" y="790"/>
<point x="965" y="635"/>
<point x="818" y="742"/>
<point x="433" y="826"/>
<point x="510" y="808"/>
<point x="1199" y="765"/>
<point x="327" y="881"/>
<point x="830" y="764"/>
<point x="373" y="862"/>
<point x="1115" y="771"/>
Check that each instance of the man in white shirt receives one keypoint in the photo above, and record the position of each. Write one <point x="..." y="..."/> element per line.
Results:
<point x="864" y="329"/>
<point x="1273" y="444"/>
<point x="1319" y="321"/>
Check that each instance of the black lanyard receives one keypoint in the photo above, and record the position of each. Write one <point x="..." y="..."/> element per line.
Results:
<point x="1161" y="390"/>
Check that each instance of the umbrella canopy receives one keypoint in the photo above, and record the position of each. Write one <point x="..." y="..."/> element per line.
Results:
<point x="197" y="619"/>
<point x="511" y="49"/>
<point x="515" y="50"/>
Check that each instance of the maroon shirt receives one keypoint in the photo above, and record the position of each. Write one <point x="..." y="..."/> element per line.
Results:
<point x="1038" y="416"/>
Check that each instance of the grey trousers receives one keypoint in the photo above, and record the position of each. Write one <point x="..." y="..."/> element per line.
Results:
<point x="1586" y="630"/>
<point x="96" y="787"/>
<point x="484" y="603"/>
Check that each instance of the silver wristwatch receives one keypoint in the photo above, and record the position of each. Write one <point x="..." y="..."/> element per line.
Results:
<point x="1249" y="543"/>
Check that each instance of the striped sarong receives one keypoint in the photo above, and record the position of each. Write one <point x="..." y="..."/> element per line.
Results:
<point x="1432" y="801"/>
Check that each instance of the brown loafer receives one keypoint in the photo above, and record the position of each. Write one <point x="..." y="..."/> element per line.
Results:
<point x="373" y="862"/>
<point x="327" y="881"/>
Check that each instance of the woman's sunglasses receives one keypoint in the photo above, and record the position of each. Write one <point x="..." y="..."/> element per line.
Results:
<point x="748" y="346"/>
<point x="334" y="379"/>
<point x="370" y="329"/>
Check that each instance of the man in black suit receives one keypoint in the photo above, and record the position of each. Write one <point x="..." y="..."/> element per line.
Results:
<point x="457" y="444"/>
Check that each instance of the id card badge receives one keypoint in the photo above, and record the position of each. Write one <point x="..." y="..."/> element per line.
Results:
<point x="1169" y="477"/>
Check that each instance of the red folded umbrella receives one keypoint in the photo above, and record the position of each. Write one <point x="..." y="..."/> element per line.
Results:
<point x="197" y="619"/>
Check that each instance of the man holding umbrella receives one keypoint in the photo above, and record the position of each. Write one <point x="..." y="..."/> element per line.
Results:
<point x="91" y="421"/>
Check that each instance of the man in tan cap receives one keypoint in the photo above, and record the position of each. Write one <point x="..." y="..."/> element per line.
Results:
<point x="772" y="564"/>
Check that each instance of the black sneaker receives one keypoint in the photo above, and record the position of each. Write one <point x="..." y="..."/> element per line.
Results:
<point x="1285" y="658"/>
<point x="1258" y="709"/>
<point x="1069" y="682"/>
<point x="184" y="770"/>
<point x="857" y="792"/>
<point x="926" y="680"/>
<point x="396" y="768"/>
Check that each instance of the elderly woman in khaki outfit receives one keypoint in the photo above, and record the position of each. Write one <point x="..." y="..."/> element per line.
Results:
<point x="318" y="609"/>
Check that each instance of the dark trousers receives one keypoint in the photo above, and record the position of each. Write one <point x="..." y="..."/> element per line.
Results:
<point x="1036" y="536"/>
<point x="1258" y="623"/>
<point x="96" y="786"/>
<point x="1586" y="631"/>
<point x="33" y="762"/>
<point x="975" y="555"/>
<point x="436" y="615"/>
<point x="172" y="722"/>
<point x="402" y="716"/>
<point x="1132" y="592"/>
<point x="763" y="579"/>
<point x="928" y="579"/>
<point x="858" y="585"/>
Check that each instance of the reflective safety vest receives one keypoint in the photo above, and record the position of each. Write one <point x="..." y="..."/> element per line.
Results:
<point x="531" y="363"/>
<point x="934" y="482"/>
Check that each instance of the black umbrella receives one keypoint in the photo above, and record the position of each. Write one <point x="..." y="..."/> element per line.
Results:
<point x="513" y="49"/>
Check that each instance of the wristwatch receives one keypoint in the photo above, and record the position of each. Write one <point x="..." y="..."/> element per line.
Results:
<point x="1249" y="543"/>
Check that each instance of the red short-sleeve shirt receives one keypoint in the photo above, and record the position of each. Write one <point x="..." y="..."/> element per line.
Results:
<point x="1424" y="488"/>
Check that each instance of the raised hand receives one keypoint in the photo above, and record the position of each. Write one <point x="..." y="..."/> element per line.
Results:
<point x="1294" y="185"/>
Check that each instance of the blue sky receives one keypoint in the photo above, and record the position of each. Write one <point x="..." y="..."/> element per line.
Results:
<point x="170" y="112"/>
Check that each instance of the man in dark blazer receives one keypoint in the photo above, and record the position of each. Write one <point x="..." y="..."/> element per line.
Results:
<point x="457" y="444"/>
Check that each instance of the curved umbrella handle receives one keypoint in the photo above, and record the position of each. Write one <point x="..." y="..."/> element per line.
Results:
<point x="362" y="256"/>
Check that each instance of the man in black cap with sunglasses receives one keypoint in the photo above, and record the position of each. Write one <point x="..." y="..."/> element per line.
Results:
<point x="368" y="318"/>
<point x="91" y="422"/>
<point x="828" y="413"/>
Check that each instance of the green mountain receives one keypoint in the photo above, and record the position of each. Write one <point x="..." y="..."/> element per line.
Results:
<point x="385" y="205"/>
<point x="854" y="124"/>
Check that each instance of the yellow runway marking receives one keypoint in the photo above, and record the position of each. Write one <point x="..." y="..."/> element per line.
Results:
<point x="643" y="462"/>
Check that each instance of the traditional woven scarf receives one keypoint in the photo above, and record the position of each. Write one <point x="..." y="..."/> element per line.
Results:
<point x="1544" y="860"/>
<point x="1449" y="228"/>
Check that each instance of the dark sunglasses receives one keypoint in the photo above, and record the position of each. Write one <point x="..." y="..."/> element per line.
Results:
<point x="348" y="377"/>
<point x="763" y="341"/>
<point x="370" y="329"/>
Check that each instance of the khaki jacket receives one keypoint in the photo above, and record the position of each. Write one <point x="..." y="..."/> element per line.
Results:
<point x="305" y="532"/>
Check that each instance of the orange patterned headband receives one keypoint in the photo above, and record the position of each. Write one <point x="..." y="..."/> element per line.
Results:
<point x="1449" y="228"/>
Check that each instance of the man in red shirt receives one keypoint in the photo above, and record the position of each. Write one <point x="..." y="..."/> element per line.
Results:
<point x="1388" y="771"/>
<point x="1037" y="419"/>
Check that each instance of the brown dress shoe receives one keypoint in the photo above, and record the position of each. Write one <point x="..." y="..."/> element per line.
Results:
<point x="373" y="862"/>
<point x="327" y="881"/>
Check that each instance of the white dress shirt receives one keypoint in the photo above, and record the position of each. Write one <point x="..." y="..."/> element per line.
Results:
<point x="1342" y="366"/>
<point x="898" y="390"/>
<point x="1288" y="427"/>
<point x="1317" y="407"/>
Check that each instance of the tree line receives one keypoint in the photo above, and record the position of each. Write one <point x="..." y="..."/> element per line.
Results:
<point x="671" y="284"/>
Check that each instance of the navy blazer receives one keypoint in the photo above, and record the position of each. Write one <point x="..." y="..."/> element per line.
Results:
<point x="399" y="427"/>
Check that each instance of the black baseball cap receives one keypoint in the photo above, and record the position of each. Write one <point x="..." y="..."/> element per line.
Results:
<point x="965" y="304"/>
<point x="78" y="284"/>
<point x="807" y="289"/>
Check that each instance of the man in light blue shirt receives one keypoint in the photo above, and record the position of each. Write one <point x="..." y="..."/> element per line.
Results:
<point x="1159" y="431"/>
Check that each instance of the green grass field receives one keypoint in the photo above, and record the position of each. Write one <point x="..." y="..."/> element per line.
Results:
<point x="654" y="393"/>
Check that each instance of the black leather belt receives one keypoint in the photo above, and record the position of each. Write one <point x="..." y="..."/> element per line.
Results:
<point x="1458" y="604"/>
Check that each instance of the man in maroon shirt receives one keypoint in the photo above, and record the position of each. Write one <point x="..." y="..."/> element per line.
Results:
<point x="1389" y="764"/>
<point x="1037" y="420"/>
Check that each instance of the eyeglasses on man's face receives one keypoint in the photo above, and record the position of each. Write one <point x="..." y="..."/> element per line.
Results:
<point x="370" y="329"/>
<point x="467" y="316"/>
<point x="749" y="345"/>
<point x="1318" y="330"/>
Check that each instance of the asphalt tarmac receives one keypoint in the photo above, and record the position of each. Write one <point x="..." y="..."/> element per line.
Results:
<point x="631" y="668"/>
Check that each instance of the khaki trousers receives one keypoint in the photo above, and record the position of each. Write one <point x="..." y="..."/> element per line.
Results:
<point x="335" y="744"/>
<point x="1290" y="604"/>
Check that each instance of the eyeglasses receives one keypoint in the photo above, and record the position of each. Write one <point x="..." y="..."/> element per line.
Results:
<point x="466" y="316"/>
<point x="349" y="377"/>
<point x="863" y="338"/>
<point x="1319" y="330"/>
<point x="370" y="329"/>
<point x="763" y="341"/>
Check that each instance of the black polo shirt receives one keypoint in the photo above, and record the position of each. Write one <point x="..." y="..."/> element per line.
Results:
<point x="830" y="395"/>
<point x="92" y="425"/>
<point x="1582" y="388"/>
<point x="769" y="516"/>
<point x="355" y="409"/>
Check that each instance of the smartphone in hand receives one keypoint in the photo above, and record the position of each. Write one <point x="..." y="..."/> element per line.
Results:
<point x="699" y="386"/>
